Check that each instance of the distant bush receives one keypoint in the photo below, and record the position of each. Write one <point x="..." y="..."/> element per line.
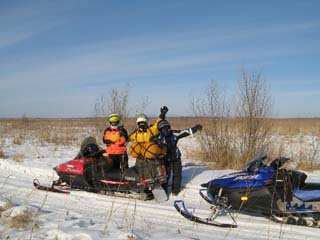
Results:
<point x="2" y="154"/>
<point x="18" y="157"/>
<point x="234" y="132"/>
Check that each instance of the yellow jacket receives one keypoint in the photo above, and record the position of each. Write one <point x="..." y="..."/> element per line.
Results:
<point x="141" y="136"/>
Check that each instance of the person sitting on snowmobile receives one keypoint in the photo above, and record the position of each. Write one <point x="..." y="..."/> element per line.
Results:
<point x="172" y="159"/>
<point x="147" y="154"/>
<point x="99" y="165"/>
<point x="115" y="137"/>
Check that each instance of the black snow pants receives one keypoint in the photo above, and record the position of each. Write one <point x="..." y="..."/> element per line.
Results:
<point x="174" y="166"/>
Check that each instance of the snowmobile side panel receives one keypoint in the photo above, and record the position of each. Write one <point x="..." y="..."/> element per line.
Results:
<point x="74" y="181"/>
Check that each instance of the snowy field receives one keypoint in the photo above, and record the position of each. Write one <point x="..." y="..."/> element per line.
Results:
<point x="84" y="216"/>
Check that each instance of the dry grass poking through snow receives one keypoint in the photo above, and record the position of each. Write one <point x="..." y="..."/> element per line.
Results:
<point x="2" y="155"/>
<point x="296" y="138"/>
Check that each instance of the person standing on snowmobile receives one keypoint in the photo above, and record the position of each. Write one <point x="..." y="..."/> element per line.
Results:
<point x="172" y="159"/>
<point x="115" y="137"/>
<point x="147" y="154"/>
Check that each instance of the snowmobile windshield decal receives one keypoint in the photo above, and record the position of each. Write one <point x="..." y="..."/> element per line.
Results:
<point x="247" y="177"/>
<point x="243" y="179"/>
<point x="72" y="167"/>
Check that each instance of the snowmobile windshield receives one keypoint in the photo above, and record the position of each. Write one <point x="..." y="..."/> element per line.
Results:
<point x="254" y="164"/>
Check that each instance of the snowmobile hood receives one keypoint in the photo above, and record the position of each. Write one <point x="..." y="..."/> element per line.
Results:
<point x="71" y="167"/>
<point x="243" y="179"/>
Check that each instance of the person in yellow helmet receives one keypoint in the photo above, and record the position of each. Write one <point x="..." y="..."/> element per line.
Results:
<point x="115" y="137"/>
<point x="139" y="138"/>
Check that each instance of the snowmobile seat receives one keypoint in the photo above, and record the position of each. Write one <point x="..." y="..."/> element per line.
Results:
<point x="307" y="195"/>
<point x="116" y="175"/>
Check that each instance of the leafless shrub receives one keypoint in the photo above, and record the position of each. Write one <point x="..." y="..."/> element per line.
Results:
<point x="21" y="221"/>
<point x="145" y="102"/>
<point x="18" y="140"/>
<point x="309" y="154"/>
<point x="229" y="141"/>
<point x="115" y="102"/>
<point x="131" y="237"/>
<point x="18" y="220"/>
<point x="18" y="157"/>
<point x="315" y="144"/>
<point x="216" y="138"/>
<point x="253" y="110"/>
<point x="2" y="154"/>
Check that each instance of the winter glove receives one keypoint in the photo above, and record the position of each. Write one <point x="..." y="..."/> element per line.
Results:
<point x="196" y="128"/>
<point x="199" y="127"/>
<point x="155" y="139"/>
<point x="163" y="112"/>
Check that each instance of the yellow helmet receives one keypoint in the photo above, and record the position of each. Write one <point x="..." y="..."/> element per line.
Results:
<point x="113" y="118"/>
<point x="142" y="118"/>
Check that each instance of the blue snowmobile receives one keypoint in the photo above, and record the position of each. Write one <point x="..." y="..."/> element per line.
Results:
<point x="269" y="189"/>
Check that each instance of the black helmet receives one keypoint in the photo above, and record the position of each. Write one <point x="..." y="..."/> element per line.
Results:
<point x="162" y="124"/>
<point x="90" y="150"/>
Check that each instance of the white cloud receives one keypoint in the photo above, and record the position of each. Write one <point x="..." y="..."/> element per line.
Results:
<point x="143" y="55"/>
<point x="28" y="18"/>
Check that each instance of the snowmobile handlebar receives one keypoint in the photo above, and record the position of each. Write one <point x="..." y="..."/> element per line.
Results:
<point x="95" y="154"/>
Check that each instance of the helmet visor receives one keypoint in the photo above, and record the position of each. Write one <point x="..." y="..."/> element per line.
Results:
<point x="142" y="125"/>
<point x="114" y="123"/>
<point x="165" y="128"/>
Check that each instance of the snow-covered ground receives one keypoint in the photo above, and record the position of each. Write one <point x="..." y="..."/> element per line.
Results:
<point x="27" y="213"/>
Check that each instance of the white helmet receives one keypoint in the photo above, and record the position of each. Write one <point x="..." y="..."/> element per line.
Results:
<point x="142" y="118"/>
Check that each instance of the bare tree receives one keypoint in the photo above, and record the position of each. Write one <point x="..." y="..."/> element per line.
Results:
<point x="212" y="111"/>
<point x="144" y="104"/>
<point x="228" y="141"/>
<point x="115" y="102"/>
<point x="254" y="111"/>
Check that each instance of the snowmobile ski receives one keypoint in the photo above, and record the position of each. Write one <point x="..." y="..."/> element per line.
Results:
<point x="52" y="188"/>
<point x="208" y="221"/>
<point x="58" y="188"/>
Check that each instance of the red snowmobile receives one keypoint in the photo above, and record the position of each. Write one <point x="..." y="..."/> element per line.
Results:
<point x="92" y="172"/>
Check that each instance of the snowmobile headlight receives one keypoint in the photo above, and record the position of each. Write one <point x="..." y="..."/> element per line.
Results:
<point x="244" y="198"/>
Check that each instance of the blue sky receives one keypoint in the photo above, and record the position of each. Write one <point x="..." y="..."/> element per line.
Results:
<point x="58" y="57"/>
